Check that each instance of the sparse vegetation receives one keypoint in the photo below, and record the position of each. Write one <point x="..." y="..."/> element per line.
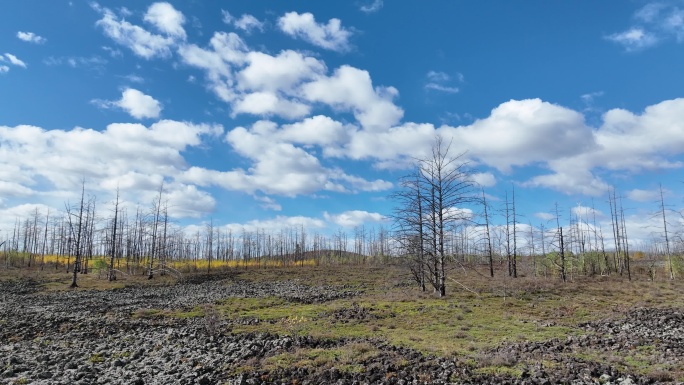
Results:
<point x="473" y="327"/>
<point x="462" y="324"/>
<point x="96" y="358"/>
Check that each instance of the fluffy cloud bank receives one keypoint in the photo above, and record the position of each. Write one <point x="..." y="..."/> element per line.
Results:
<point x="132" y="157"/>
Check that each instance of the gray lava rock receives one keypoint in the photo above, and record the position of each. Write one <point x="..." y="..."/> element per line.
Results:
<point x="89" y="337"/>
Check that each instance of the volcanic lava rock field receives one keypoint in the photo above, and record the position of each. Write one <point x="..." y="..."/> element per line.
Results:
<point x="180" y="333"/>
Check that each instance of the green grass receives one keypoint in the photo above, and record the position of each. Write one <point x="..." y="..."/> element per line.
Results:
<point x="432" y="325"/>
<point x="96" y="358"/>
<point x="348" y="358"/>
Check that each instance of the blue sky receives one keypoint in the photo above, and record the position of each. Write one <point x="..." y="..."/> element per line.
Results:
<point x="274" y="113"/>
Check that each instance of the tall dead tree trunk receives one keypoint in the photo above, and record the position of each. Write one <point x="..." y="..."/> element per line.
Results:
<point x="89" y="235"/>
<point x="163" y="251"/>
<point x="562" y="256"/>
<point x="45" y="236"/>
<point x="625" y="241"/>
<point x="533" y="252"/>
<point x="76" y="235"/>
<point x="155" y="226"/>
<point x="515" y="239"/>
<point x="209" y="244"/>
<point x="561" y="243"/>
<point x="617" y="260"/>
<point x="508" y="235"/>
<point x="488" y="238"/>
<point x="667" y="239"/>
<point x="112" y="276"/>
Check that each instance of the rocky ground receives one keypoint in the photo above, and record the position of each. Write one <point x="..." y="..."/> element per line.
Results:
<point x="90" y="337"/>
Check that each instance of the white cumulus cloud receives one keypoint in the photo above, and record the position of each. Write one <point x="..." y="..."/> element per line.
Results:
<point x="331" y="36"/>
<point x="544" y="216"/>
<point x="535" y="133"/>
<point x="167" y="19"/>
<point x="225" y="51"/>
<point x="484" y="179"/>
<point x="318" y="130"/>
<point x="525" y="131"/>
<point x="640" y="195"/>
<point x="14" y="60"/>
<point x="634" y="39"/>
<point x="354" y="218"/>
<point x="278" y="166"/>
<point x="31" y="37"/>
<point x="268" y="103"/>
<point x="248" y="23"/>
<point x="142" y="42"/>
<point x="352" y="89"/>
<point x="283" y="72"/>
<point x="135" y="103"/>
<point x="585" y="214"/>
<point x="135" y="157"/>
<point x="227" y="17"/>
<point x="277" y="224"/>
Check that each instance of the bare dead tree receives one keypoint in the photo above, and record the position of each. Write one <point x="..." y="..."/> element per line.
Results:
<point x="561" y="244"/>
<point x="156" y="209"/>
<point x="515" y="238"/>
<point x="45" y="236"/>
<point x="443" y="185"/>
<point x="668" y="255"/>
<point x="599" y="239"/>
<point x="562" y="255"/>
<point x="209" y="249"/>
<point x="75" y="231"/>
<point x="302" y="242"/>
<point x="112" y="275"/>
<point x="163" y="247"/>
<point x="614" y="219"/>
<point x="89" y="234"/>
<point x="488" y="238"/>
<point x="409" y="227"/>
<point x="625" y="240"/>
<point x="533" y="252"/>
